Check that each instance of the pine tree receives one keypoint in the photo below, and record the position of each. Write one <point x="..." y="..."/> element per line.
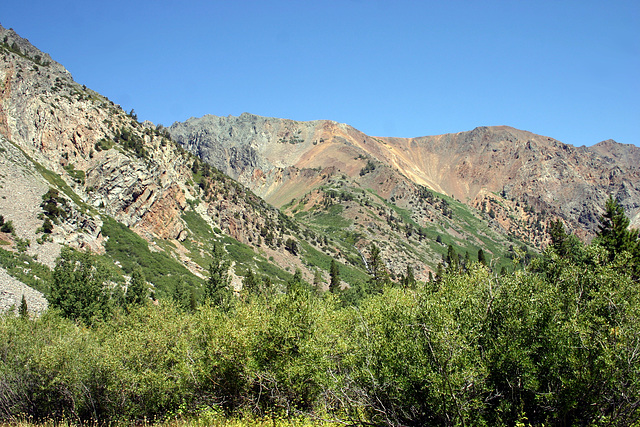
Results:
<point x="481" y="257"/>
<point x="297" y="283"/>
<point x="558" y="237"/>
<point x="613" y="230"/>
<point x="334" y="273"/>
<point x="181" y="295"/>
<point x="379" y="275"/>
<point x="216" y="288"/>
<point x="22" y="310"/>
<point x="137" y="291"/>
<point x="615" y="236"/>
<point x="451" y="259"/>
<point x="409" y="280"/>
<point x="249" y="282"/>
<point x="439" y="272"/>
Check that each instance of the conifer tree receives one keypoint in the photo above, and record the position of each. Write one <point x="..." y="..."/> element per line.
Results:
<point x="181" y="295"/>
<point x="334" y="273"/>
<point x="216" y="288"/>
<point x="408" y="280"/>
<point x="481" y="257"/>
<point x="250" y="282"/>
<point x="297" y="283"/>
<point x="137" y="292"/>
<point x="317" y="278"/>
<point x="22" y="309"/>
<point x="616" y="237"/>
<point x="451" y="259"/>
<point x="613" y="232"/>
<point x="379" y="275"/>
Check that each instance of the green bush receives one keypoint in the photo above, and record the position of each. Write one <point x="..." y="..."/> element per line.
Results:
<point x="7" y="227"/>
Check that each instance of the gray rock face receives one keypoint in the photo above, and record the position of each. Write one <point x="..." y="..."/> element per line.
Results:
<point x="239" y="145"/>
<point x="11" y="40"/>
<point x="11" y="292"/>
<point x="58" y="123"/>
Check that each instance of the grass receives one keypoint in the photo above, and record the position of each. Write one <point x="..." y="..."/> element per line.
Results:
<point x="199" y="242"/>
<point x="27" y="270"/>
<point x="245" y="257"/>
<point x="331" y="220"/>
<point x="131" y="250"/>
<point x="197" y="225"/>
<point x="318" y="259"/>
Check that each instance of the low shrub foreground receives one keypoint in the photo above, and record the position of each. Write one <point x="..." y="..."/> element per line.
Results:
<point x="556" y="343"/>
<point x="555" y="346"/>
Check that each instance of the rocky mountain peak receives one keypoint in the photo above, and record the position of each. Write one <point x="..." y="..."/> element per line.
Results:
<point x="23" y="47"/>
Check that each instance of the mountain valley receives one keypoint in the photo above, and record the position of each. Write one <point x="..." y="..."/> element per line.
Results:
<point x="279" y="195"/>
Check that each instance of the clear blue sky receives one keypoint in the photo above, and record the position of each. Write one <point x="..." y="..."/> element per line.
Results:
<point x="565" y="69"/>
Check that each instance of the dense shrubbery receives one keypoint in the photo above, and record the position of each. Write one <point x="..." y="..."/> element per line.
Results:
<point x="556" y="343"/>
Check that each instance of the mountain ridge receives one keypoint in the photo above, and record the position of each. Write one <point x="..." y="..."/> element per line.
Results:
<point x="465" y="165"/>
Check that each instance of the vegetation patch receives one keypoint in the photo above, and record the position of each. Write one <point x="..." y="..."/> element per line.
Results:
<point x="26" y="269"/>
<point x="131" y="251"/>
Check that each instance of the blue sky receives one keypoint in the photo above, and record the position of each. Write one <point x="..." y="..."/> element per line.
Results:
<point x="565" y="69"/>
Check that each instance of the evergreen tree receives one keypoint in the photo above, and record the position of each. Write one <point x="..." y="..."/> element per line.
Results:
<point x="193" y="303"/>
<point x="317" y="278"/>
<point x="408" y="280"/>
<point x="297" y="283"/>
<point x="451" y="259"/>
<point x="291" y="246"/>
<point x="78" y="287"/>
<point x="22" y="309"/>
<point x="249" y="282"/>
<point x="613" y="233"/>
<point x="334" y="274"/>
<point x="615" y="236"/>
<point x="47" y="226"/>
<point x="559" y="238"/>
<point x="217" y="287"/>
<point x="379" y="276"/>
<point x="439" y="272"/>
<point x="181" y="295"/>
<point x="481" y="257"/>
<point x="137" y="291"/>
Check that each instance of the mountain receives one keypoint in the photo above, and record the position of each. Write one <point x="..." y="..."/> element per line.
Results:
<point x="114" y="186"/>
<point x="482" y="168"/>
<point x="278" y="195"/>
